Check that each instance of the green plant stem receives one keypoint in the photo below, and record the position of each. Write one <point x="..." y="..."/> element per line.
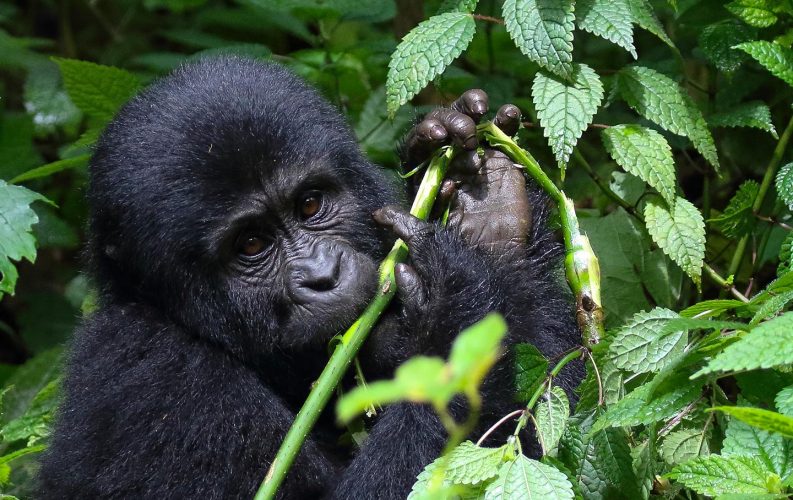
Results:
<point x="581" y="264"/>
<point x="768" y="178"/>
<point x="352" y="339"/>
<point x="537" y="393"/>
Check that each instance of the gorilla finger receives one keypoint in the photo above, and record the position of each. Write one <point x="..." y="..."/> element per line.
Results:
<point x="473" y="103"/>
<point x="410" y="288"/>
<point x="425" y="138"/>
<point x="465" y="163"/>
<point x="460" y="127"/>
<point x="445" y="195"/>
<point x="508" y="119"/>
<point x="404" y="225"/>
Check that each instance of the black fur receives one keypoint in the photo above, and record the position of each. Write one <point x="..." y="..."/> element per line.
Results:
<point x="185" y="380"/>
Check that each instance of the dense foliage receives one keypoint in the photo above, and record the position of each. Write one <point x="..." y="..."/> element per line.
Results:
<point x="667" y="124"/>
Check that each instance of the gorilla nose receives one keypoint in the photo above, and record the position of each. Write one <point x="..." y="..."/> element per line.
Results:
<point x="320" y="272"/>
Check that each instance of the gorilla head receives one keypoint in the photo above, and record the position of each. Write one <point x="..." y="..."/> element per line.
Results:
<point x="234" y="199"/>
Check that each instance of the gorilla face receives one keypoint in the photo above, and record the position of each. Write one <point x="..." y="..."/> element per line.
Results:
<point x="240" y="208"/>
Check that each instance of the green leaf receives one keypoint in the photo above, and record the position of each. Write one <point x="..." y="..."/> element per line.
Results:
<point x="772" y="449"/>
<point x="738" y="218"/>
<point x="640" y="347"/>
<point x="710" y="308"/>
<point x="524" y="478"/>
<point x="34" y="424"/>
<point x="680" y="233"/>
<point x="530" y="369"/>
<point x="644" y="15"/>
<point x="609" y="19"/>
<point x="424" y="53"/>
<point x="644" y="153"/>
<point x="785" y="255"/>
<point x="749" y="114"/>
<point x="551" y="413"/>
<point x="566" y="109"/>
<point x="784" y="184"/>
<point x="46" y="101"/>
<point x="768" y="345"/>
<point x="16" y="238"/>
<point x="659" y="99"/>
<point x="471" y="464"/>
<point x="774" y="57"/>
<point x="475" y="351"/>
<point x="457" y="6"/>
<point x="757" y="13"/>
<point x="714" y="475"/>
<point x="784" y="401"/>
<point x="51" y="168"/>
<point x="717" y="40"/>
<point x="762" y="419"/>
<point x="679" y="446"/>
<point x="543" y="31"/>
<point x="27" y="382"/>
<point x="772" y="306"/>
<point x="99" y="91"/>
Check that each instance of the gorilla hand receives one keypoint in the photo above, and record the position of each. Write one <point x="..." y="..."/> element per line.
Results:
<point x="489" y="206"/>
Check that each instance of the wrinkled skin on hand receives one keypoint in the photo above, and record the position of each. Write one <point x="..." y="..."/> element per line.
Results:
<point x="488" y="203"/>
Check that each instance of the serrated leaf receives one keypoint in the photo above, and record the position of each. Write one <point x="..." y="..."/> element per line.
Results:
<point x="774" y="57"/>
<point x="543" y="31"/>
<point x="34" y="424"/>
<point x="424" y="53"/>
<point x="566" y="109"/>
<point x="640" y="408"/>
<point x="749" y="114"/>
<point x="680" y="233"/>
<point x="710" y="308"/>
<point x="772" y="306"/>
<point x="762" y="419"/>
<point x="758" y="13"/>
<point x="99" y="91"/>
<point x="717" y="41"/>
<point x="51" y="168"/>
<point x="679" y="446"/>
<point x="738" y="218"/>
<point x="659" y="99"/>
<point x="471" y="464"/>
<point x="530" y="369"/>
<point x="784" y="401"/>
<point x="776" y="452"/>
<point x="644" y="15"/>
<point x="457" y="6"/>
<point x="551" y="414"/>
<point x="768" y="345"/>
<point x="609" y="19"/>
<point x="784" y="184"/>
<point x="714" y="475"/>
<point x="525" y="479"/>
<point x="16" y="237"/>
<point x="785" y="255"/>
<point x="639" y="347"/>
<point x="644" y="153"/>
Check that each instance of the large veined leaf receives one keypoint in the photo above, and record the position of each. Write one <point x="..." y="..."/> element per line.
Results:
<point x="640" y="345"/>
<point x="644" y="153"/>
<point x="524" y="478"/>
<point x="775" y="451"/>
<point x="738" y="219"/>
<point x="776" y="58"/>
<point x="679" y="446"/>
<point x="715" y="475"/>
<point x="749" y="114"/>
<point x="99" y="91"/>
<point x="784" y="184"/>
<point x="565" y="109"/>
<point x="609" y="19"/>
<point x="757" y="13"/>
<point x="785" y="255"/>
<point x="424" y="53"/>
<point x="762" y="419"/>
<point x="659" y="99"/>
<point x="717" y="41"/>
<point x="551" y="414"/>
<point x="543" y="31"/>
<point x="530" y="368"/>
<point x="470" y="464"/>
<point x="680" y="233"/>
<point x="644" y="15"/>
<point x="768" y="345"/>
<point x="784" y="401"/>
<point x="16" y="240"/>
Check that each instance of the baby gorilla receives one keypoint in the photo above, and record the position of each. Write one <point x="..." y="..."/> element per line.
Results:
<point x="231" y="236"/>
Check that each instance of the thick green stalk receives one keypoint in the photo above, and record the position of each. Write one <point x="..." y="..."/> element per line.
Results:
<point x="352" y="339"/>
<point x="768" y="178"/>
<point x="581" y="263"/>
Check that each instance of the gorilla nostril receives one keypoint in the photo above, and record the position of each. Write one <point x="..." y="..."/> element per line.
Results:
<point x="320" y="273"/>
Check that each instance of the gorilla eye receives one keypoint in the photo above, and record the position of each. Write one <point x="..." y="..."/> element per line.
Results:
<point x="310" y="205"/>
<point x="251" y="245"/>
